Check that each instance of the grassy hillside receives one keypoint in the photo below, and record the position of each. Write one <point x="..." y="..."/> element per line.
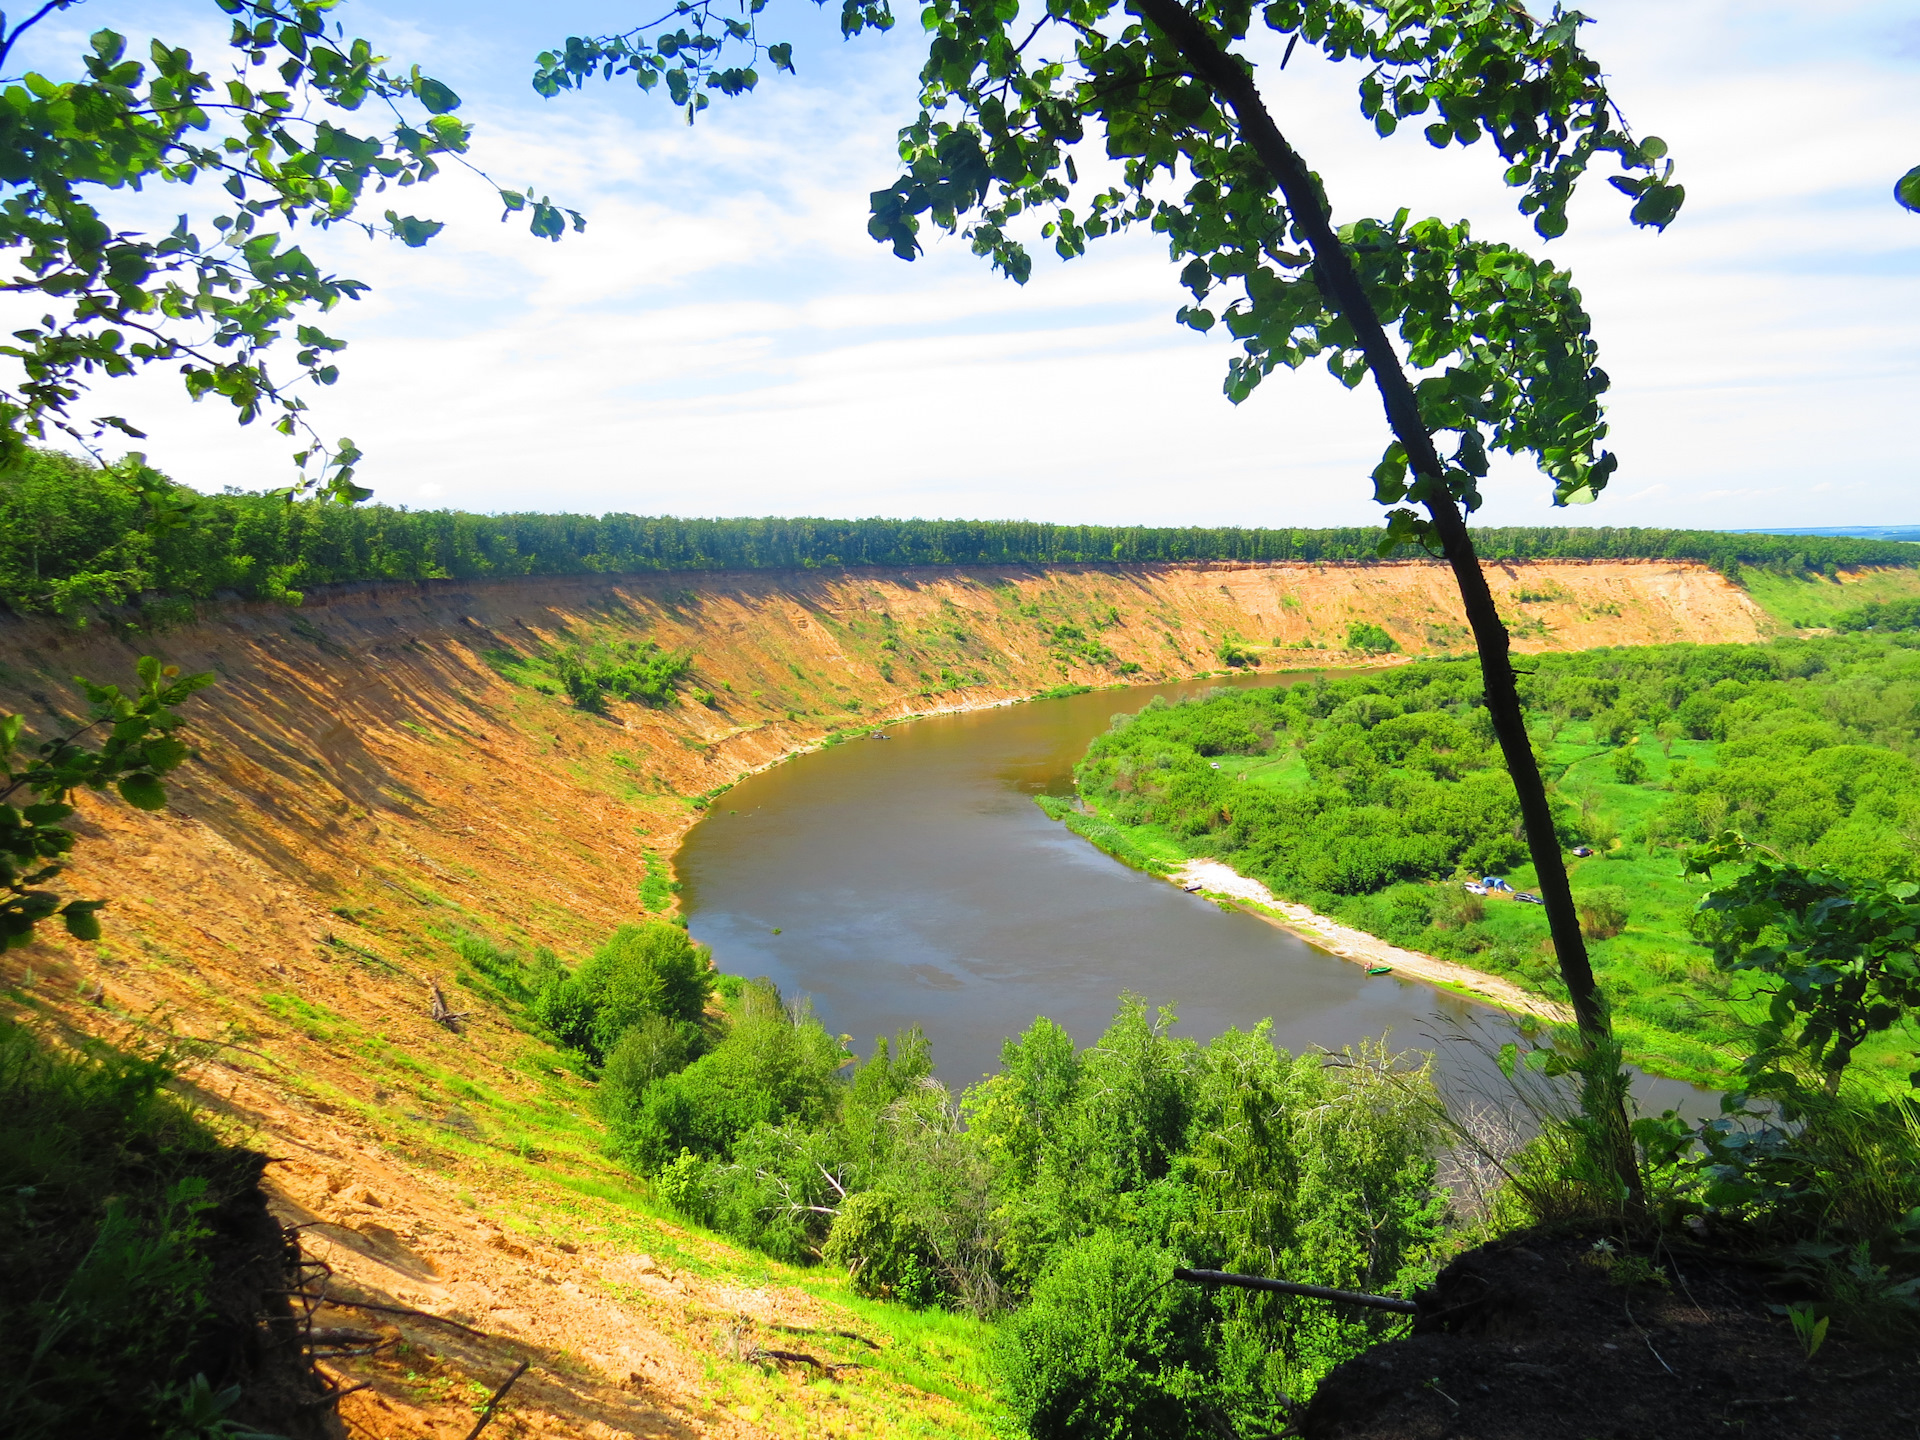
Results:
<point x="1807" y="601"/>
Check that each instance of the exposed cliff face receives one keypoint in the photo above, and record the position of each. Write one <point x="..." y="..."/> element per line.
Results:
<point x="369" y="782"/>
<point x="360" y="752"/>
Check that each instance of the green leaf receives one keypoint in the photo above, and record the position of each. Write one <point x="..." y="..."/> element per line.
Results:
<point x="1907" y="191"/>
<point x="412" y="231"/>
<point x="81" y="921"/>
<point x="1658" y="204"/>
<point x="1389" y="482"/>
<point x="437" y="98"/>
<point x="143" y="792"/>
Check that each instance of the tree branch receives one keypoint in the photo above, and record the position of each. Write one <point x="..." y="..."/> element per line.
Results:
<point x="1232" y="81"/>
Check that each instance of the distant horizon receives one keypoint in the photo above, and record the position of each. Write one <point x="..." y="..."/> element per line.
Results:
<point x="1858" y="532"/>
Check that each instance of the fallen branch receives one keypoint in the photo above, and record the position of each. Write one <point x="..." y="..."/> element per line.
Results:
<point x="758" y="1356"/>
<point x="1294" y="1287"/>
<point x="442" y="1015"/>
<point x="486" y="1411"/>
<point x="402" y="1310"/>
<point x="840" y="1334"/>
<point x="335" y="1397"/>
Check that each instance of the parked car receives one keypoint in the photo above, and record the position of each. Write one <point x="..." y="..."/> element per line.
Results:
<point x="1581" y="852"/>
<point x="1473" y="889"/>
<point x="1528" y="898"/>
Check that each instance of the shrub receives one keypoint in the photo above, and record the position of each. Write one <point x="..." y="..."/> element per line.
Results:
<point x="1455" y="909"/>
<point x="1603" y="912"/>
<point x="649" y="1050"/>
<point x="1109" y="1348"/>
<point x="1628" y="767"/>
<point x="1366" y="636"/>
<point x="653" y="968"/>
<point x="875" y="1239"/>
<point x="771" y="1067"/>
<point x="109" y="1183"/>
<point x="638" y="671"/>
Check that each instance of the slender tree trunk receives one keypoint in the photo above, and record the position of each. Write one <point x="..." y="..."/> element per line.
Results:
<point x="1232" y="81"/>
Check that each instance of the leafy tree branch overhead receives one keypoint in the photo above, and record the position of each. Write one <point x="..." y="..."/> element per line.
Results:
<point x="284" y="137"/>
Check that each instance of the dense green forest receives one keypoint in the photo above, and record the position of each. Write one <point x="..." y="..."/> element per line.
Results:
<point x="1885" y="616"/>
<point x="71" y="537"/>
<point x="1372" y="798"/>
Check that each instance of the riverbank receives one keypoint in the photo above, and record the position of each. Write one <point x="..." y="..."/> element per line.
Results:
<point x="1222" y="883"/>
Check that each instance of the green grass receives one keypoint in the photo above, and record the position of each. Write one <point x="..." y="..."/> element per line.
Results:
<point x="1279" y="772"/>
<point x="1676" y="1014"/>
<point x="1810" y="603"/>
<point x="1144" y="847"/>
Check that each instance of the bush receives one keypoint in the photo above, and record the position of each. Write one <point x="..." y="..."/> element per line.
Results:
<point x="772" y="1067"/>
<point x="1455" y="909"/>
<point x="1628" y="767"/>
<point x="1109" y="1348"/>
<point x="1602" y="911"/>
<point x="875" y="1239"/>
<point x="639" y="671"/>
<point x="1364" y="635"/>
<point x="649" y="1050"/>
<point x="653" y="968"/>
<point x="105" y="1318"/>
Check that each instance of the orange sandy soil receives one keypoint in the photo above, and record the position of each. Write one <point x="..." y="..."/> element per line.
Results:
<point x="367" y="786"/>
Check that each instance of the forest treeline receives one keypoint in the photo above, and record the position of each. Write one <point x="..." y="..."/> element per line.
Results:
<point x="72" y="537"/>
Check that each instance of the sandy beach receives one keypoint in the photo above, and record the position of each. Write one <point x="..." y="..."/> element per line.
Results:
<point x="1222" y="881"/>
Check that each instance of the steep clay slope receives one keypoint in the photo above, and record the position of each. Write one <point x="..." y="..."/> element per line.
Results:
<point x="368" y="786"/>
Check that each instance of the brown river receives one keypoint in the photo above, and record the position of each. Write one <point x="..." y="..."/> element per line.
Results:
<point x="913" y="881"/>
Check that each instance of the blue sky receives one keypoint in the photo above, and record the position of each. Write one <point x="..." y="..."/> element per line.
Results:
<point x="726" y="339"/>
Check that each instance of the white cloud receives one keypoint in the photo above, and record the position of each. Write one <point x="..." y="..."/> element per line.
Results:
<point x="725" y="338"/>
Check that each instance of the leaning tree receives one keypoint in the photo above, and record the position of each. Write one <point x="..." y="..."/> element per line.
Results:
<point x="1493" y="349"/>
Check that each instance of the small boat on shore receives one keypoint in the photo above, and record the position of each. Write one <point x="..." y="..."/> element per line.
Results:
<point x="1379" y="969"/>
<point x="1192" y="887"/>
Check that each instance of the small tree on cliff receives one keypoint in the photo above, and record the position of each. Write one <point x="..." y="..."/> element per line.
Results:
<point x="1494" y="351"/>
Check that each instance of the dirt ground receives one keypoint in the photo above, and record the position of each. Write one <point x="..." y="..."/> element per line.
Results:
<point x="1536" y="1339"/>
<point x="1214" y="878"/>
<point x="367" y="788"/>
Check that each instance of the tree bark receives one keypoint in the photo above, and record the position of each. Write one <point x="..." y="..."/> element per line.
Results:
<point x="1233" y="83"/>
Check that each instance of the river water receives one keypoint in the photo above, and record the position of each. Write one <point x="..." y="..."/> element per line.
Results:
<point x="913" y="881"/>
